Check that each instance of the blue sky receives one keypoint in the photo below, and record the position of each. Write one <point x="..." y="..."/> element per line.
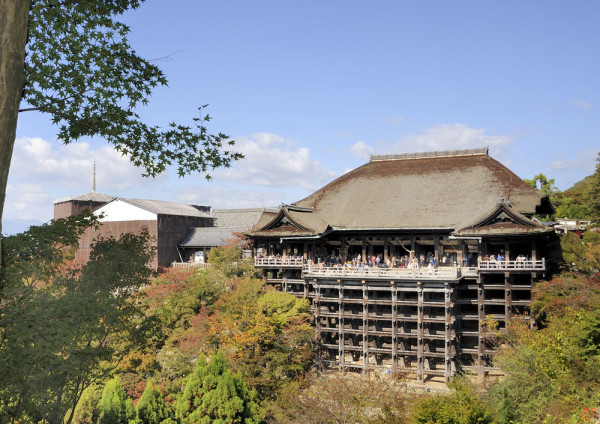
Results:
<point x="310" y="88"/>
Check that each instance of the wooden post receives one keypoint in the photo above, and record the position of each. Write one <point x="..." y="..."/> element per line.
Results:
<point x="448" y="357"/>
<point x="364" y="249"/>
<point x="413" y="243"/>
<point x="386" y="248"/>
<point x="420" y="313"/>
<point x="305" y="251"/>
<point x="341" y="329"/>
<point x="394" y="327"/>
<point x="508" y="297"/>
<point x="436" y="248"/>
<point x="402" y="329"/>
<point x="481" y="340"/>
<point x="365" y="341"/>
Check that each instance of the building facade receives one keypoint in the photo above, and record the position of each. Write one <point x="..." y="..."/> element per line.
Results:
<point x="410" y="260"/>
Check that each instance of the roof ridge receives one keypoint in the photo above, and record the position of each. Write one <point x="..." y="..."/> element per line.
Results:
<point x="435" y="154"/>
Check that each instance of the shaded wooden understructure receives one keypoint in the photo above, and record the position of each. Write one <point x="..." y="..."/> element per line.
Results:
<point x="407" y="260"/>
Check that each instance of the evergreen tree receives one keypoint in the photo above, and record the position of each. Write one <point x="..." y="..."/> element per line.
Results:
<point x="87" y="411"/>
<point x="214" y="395"/>
<point x="152" y="408"/>
<point x="115" y="407"/>
<point x="593" y="193"/>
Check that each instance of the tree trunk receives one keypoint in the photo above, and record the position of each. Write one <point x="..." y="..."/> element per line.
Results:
<point x="14" y="16"/>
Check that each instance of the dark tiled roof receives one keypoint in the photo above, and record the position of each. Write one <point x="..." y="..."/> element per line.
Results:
<point x="210" y="237"/>
<point x="169" y="208"/>
<point x="92" y="196"/>
<point x="239" y="218"/>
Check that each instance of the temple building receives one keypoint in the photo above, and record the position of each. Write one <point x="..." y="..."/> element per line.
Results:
<point x="408" y="259"/>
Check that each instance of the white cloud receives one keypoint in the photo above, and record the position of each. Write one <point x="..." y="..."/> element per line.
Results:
<point x="27" y="202"/>
<point x="439" y="137"/>
<point x="70" y="167"/>
<point x="393" y="120"/>
<point x="233" y="198"/>
<point x="585" y="160"/>
<point x="451" y="137"/>
<point x="42" y="171"/>
<point x="274" y="161"/>
<point x="582" y="105"/>
<point x="361" y="150"/>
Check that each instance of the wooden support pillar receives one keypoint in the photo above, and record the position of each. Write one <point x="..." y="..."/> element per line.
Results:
<point x="305" y="251"/>
<point x="284" y="247"/>
<point x="413" y="245"/>
<point x="341" y="329"/>
<point x="507" y="251"/>
<point x="393" y="250"/>
<point x="461" y="251"/>
<point x="436" y="248"/>
<point x="533" y="250"/>
<point x="481" y="339"/>
<point x="394" y="327"/>
<point x="317" y="306"/>
<point x="402" y="330"/>
<point x="448" y="354"/>
<point x="420" y="335"/>
<point x="365" y="341"/>
<point x="508" y="297"/>
<point x="364" y="249"/>
<point x="386" y="248"/>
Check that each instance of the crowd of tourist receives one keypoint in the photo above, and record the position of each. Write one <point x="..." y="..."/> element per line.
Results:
<point x="427" y="260"/>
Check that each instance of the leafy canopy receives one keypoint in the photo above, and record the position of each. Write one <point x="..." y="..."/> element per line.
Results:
<point x="62" y="324"/>
<point x="82" y="71"/>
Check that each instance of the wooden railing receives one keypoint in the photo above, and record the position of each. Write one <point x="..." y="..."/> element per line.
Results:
<point x="183" y="265"/>
<point x="284" y="262"/>
<point x="516" y="265"/>
<point x="391" y="273"/>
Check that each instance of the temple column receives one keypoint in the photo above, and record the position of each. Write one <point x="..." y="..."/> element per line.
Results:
<point x="420" y="333"/>
<point x="341" y="329"/>
<point x="364" y="249"/>
<point x="365" y="341"/>
<point x="394" y="327"/>
<point x="508" y="297"/>
<point x="448" y="357"/>
<point x="386" y="247"/>
<point x="481" y="340"/>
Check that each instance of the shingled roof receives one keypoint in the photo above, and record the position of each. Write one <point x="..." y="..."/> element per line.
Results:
<point x="161" y="207"/>
<point x="417" y="191"/>
<point x="92" y="196"/>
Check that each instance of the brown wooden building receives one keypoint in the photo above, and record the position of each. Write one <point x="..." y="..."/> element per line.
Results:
<point x="406" y="258"/>
<point x="168" y="223"/>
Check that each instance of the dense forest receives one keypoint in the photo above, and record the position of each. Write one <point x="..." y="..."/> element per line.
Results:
<point x="111" y="342"/>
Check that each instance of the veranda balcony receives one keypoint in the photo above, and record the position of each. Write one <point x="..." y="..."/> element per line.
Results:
<point x="516" y="265"/>
<point x="423" y="273"/>
<point x="279" y="262"/>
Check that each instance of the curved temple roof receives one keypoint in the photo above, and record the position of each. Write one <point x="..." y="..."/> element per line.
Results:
<point x="414" y="191"/>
